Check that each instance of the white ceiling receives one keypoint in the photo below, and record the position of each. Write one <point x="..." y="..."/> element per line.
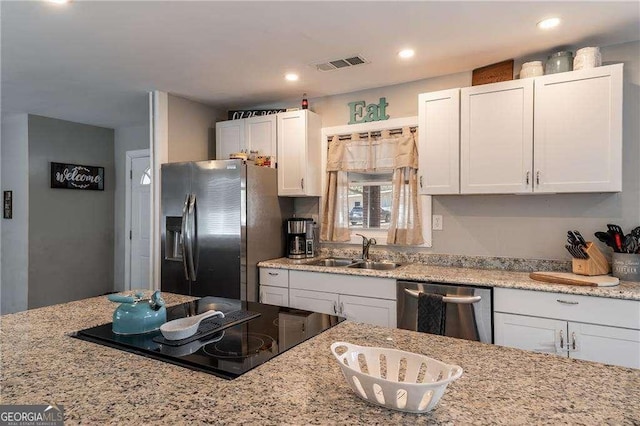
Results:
<point x="94" y="61"/>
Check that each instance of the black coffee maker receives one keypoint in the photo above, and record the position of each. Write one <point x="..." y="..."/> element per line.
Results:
<point x="297" y="237"/>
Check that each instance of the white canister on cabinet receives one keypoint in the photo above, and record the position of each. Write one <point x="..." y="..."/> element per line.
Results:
<point x="531" y="69"/>
<point x="587" y="57"/>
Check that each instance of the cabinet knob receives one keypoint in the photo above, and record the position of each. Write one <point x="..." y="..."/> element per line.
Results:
<point x="528" y="175"/>
<point x="302" y="183"/>
<point x="335" y="307"/>
<point x="561" y="340"/>
<point x="261" y="297"/>
<point x="573" y="341"/>
<point x="420" y="181"/>
<point x="341" y="308"/>
<point x="273" y="274"/>
<point x="538" y="177"/>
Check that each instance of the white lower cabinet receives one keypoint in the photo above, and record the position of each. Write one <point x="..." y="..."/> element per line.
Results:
<point x="274" y="286"/>
<point x="355" y="308"/>
<point x="581" y="327"/>
<point x="368" y="310"/>
<point x="316" y="301"/>
<point x="274" y="295"/>
<point x="358" y="298"/>
<point x="529" y="333"/>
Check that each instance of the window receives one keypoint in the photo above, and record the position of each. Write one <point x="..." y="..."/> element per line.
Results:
<point x="146" y="177"/>
<point x="371" y="185"/>
<point x="370" y="198"/>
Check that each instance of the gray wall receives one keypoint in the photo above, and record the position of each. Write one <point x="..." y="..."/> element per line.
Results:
<point x="126" y="139"/>
<point x="191" y="130"/>
<point x="70" y="231"/>
<point x="529" y="226"/>
<point x="14" y="158"/>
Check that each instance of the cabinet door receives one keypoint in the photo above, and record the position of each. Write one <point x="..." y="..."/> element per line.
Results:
<point x="278" y="296"/>
<point x="229" y="138"/>
<point x="439" y="142"/>
<point x="609" y="345"/>
<point x="260" y="134"/>
<point x="299" y="153"/>
<point x="316" y="301"/>
<point x="292" y="152"/>
<point x="496" y="138"/>
<point x="368" y="310"/>
<point x="578" y="131"/>
<point x="530" y="333"/>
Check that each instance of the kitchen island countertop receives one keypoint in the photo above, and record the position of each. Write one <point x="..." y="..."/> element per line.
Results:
<point x="471" y="276"/>
<point x="41" y="364"/>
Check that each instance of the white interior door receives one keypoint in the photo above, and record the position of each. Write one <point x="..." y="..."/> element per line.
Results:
<point x="140" y="215"/>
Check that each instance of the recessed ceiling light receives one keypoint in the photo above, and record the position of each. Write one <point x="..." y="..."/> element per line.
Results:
<point x="406" y="53"/>
<point x="291" y="77"/>
<point x="549" y="23"/>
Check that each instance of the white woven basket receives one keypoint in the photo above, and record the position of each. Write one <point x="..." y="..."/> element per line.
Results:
<point x="408" y="395"/>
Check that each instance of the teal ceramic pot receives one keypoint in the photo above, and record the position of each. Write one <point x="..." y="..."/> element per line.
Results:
<point x="136" y="315"/>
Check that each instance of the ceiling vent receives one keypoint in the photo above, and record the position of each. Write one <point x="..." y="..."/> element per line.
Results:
<point x="336" y="64"/>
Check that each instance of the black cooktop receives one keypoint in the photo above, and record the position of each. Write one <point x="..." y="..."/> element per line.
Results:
<point x="230" y="352"/>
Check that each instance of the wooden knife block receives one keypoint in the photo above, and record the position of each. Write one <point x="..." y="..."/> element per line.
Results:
<point x="596" y="264"/>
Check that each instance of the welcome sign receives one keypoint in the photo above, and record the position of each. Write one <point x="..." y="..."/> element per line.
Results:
<point x="75" y="176"/>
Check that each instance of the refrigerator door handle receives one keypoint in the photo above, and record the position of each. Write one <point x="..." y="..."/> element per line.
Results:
<point x="193" y="237"/>
<point x="183" y="237"/>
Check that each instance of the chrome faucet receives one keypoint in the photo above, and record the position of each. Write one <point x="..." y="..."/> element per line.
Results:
<point x="366" y="244"/>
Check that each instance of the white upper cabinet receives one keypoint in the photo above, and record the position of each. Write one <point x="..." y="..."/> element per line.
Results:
<point x="578" y="131"/>
<point x="229" y="138"/>
<point x="556" y="133"/>
<point x="260" y="134"/>
<point x="250" y="134"/>
<point x="439" y="142"/>
<point x="299" y="153"/>
<point x="496" y="138"/>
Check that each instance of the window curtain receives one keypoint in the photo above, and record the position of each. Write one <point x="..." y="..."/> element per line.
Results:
<point x="406" y="223"/>
<point x="335" y="209"/>
<point x="384" y="153"/>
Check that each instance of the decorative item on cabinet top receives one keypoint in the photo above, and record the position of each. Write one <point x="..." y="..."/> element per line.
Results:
<point x="501" y="71"/>
<point x="587" y="57"/>
<point x="246" y="113"/>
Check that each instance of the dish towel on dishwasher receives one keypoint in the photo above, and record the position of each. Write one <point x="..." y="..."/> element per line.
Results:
<point x="432" y="311"/>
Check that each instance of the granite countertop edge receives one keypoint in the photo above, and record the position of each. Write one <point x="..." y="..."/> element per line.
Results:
<point x="304" y="385"/>
<point x="627" y="290"/>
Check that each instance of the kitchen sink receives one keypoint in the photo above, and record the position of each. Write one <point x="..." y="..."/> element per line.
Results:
<point x="332" y="261"/>
<point x="374" y="265"/>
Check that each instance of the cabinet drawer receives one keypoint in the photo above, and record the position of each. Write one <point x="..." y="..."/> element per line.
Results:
<point x="274" y="277"/>
<point x="588" y="309"/>
<point x="381" y="288"/>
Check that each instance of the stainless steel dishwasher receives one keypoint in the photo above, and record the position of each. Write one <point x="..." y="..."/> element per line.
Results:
<point x="468" y="310"/>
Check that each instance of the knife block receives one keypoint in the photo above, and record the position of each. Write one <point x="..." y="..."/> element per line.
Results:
<point x="596" y="264"/>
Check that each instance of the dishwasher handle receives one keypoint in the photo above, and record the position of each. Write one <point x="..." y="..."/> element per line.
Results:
<point x="459" y="300"/>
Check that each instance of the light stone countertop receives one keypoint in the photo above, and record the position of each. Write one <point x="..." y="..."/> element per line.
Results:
<point x="101" y="385"/>
<point x="485" y="277"/>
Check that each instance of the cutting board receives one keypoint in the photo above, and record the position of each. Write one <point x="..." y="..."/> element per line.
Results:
<point x="573" y="279"/>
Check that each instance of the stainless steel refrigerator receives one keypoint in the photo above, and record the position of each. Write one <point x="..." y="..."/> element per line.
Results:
<point x="219" y="219"/>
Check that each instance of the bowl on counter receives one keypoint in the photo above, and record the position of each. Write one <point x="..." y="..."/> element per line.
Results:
<point x="413" y="383"/>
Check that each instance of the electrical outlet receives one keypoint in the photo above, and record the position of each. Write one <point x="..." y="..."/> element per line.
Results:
<point x="436" y="222"/>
